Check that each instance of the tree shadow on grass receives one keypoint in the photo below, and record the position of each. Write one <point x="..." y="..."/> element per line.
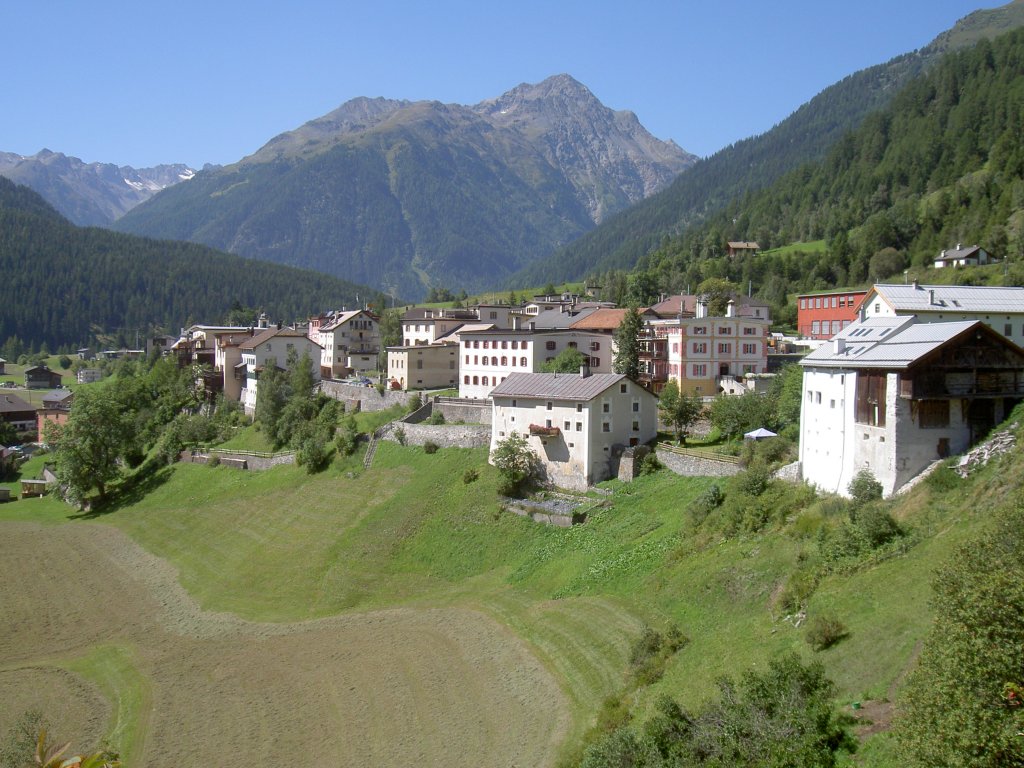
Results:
<point x="128" y="492"/>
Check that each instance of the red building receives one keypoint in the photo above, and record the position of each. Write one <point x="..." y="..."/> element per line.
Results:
<point x="822" y="315"/>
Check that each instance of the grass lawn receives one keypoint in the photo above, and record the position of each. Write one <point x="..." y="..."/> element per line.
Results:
<point x="284" y="546"/>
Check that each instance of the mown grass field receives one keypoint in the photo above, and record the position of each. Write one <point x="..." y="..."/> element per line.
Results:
<point x="279" y="566"/>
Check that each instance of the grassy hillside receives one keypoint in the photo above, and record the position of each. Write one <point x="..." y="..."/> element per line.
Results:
<point x="409" y="534"/>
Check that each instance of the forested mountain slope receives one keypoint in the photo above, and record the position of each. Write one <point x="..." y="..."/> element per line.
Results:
<point x="942" y="164"/>
<point x="754" y="163"/>
<point x="62" y="282"/>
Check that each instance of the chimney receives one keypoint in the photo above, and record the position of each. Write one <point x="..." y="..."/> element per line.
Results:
<point x="730" y="309"/>
<point x="917" y="285"/>
<point x="702" y="307"/>
<point x="838" y="345"/>
<point x="584" y="370"/>
<point x="959" y="246"/>
<point x="931" y="296"/>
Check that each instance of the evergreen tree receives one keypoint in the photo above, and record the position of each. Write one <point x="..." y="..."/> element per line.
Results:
<point x="627" y="344"/>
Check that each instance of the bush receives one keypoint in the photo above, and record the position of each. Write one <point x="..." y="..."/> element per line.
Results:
<point x="213" y="460"/>
<point x="649" y="464"/>
<point x="864" y="487"/>
<point x="470" y="476"/>
<point x="800" y="585"/>
<point x="943" y="479"/>
<point x="710" y="500"/>
<point x="400" y="435"/>
<point x="414" y="403"/>
<point x="754" y="481"/>
<point x="436" y="418"/>
<point x="824" y="630"/>
<point x="430" y="447"/>
<point x="651" y="651"/>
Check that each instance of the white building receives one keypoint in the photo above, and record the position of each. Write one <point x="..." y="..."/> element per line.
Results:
<point x="892" y="395"/>
<point x="1001" y="309"/>
<point x="272" y="347"/>
<point x="578" y="424"/>
<point x="971" y="256"/>
<point x="350" y="342"/>
<point x="488" y="357"/>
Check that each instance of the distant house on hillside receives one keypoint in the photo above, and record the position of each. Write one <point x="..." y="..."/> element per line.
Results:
<point x="971" y="256"/>
<point x="578" y="424"/>
<point x="893" y="394"/>
<point x="41" y="377"/>
<point x="738" y="247"/>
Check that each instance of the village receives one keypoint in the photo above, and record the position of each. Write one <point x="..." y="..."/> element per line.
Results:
<point x="896" y="377"/>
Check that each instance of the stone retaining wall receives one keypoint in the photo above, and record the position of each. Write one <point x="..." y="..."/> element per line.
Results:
<point x="368" y="398"/>
<point x="442" y="435"/>
<point x="791" y="472"/>
<point x="469" y="412"/>
<point x="238" y="460"/>
<point x="692" y="466"/>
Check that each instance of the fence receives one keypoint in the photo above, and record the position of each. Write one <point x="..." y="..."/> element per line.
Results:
<point x="699" y="453"/>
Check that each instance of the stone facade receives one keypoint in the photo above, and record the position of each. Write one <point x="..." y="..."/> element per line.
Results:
<point x="356" y="397"/>
<point x="442" y="435"/>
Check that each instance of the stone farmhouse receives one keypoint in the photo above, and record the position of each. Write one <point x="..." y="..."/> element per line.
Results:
<point x="578" y="424"/>
<point x="894" y="394"/>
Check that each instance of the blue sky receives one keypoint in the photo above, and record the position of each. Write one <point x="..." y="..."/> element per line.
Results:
<point x="141" y="83"/>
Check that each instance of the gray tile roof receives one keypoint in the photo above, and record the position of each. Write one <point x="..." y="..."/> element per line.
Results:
<point x="556" y="386"/>
<point x="952" y="298"/>
<point x="885" y="342"/>
<point x="14" y="404"/>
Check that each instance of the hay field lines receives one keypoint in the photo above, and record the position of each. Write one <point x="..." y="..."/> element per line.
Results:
<point x="93" y="618"/>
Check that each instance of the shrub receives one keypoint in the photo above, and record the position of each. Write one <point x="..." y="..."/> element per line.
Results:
<point x="800" y="585"/>
<point x="824" y="630"/>
<point x="711" y="499"/>
<point x="864" y="487"/>
<point x="651" y="651"/>
<point x="213" y="460"/>
<point x="430" y="447"/>
<point x="754" y="481"/>
<point x="943" y="479"/>
<point x="400" y="435"/>
<point x="471" y="475"/>
<point x="436" y="418"/>
<point x="517" y="463"/>
<point x="313" y="452"/>
<point x="414" y="403"/>
<point x="649" y="464"/>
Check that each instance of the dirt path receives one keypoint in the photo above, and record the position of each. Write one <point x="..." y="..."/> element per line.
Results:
<point x="444" y="687"/>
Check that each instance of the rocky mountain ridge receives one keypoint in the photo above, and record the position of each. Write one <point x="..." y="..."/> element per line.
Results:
<point x="90" y="194"/>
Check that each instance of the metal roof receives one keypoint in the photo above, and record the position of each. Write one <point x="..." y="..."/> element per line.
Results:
<point x="952" y="298"/>
<point x="557" y="386"/>
<point x="885" y="342"/>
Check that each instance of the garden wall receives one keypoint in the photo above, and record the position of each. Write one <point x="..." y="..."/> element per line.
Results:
<point x="368" y="398"/>
<point x="442" y="435"/>
<point x="693" y="466"/>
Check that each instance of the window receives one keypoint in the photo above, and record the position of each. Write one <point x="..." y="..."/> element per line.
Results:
<point x="878" y="307"/>
<point x="522" y="361"/>
<point x="816" y="328"/>
<point x="870" y="396"/>
<point x="547" y="423"/>
<point x="836" y="326"/>
<point x="606" y="408"/>
<point x="565" y="426"/>
<point x="724" y="330"/>
<point x="1007" y="330"/>
<point x="636" y="426"/>
<point x="817" y="398"/>
<point x="514" y="402"/>
<point x="467" y="359"/>
<point x="484" y="381"/>
<point x="725" y="349"/>
<point x="451" y="365"/>
<point x="934" y="414"/>
<point x="476" y="344"/>
<point x="606" y="427"/>
<point x="494" y="315"/>
<point x="494" y="360"/>
<point x="594" y="346"/>
<point x="419" y="364"/>
<point x="834" y="302"/>
<point x="525" y="345"/>
<point x="750" y="349"/>
<point x="486" y="343"/>
<point x="579" y="407"/>
<point x="803" y="303"/>
<point x="476" y="379"/>
<point x="504" y="345"/>
<point x="817" y="303"/>
<point x="514" y="344"/>
<point x="700" y="370"/>
<point x="595" y="362"/>
<point x="572" y="345"/>
<point x="636" y="407"/>
<point x="465" y="379"/>
<point x="579" y="426"/>
<point x="700" y="330"/>
<point x="700" y="347"/>
<point x="548" y="405"/>
<point x="504" y="360"/>
<point x="622" y="389"/>
<point x="549" y="345"/>
<point x="483" y="360"/>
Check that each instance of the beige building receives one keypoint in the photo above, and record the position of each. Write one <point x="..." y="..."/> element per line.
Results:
<point x="578" y="424"/>
<point x="350" y="343"/>
<point x="423" y="366"/>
